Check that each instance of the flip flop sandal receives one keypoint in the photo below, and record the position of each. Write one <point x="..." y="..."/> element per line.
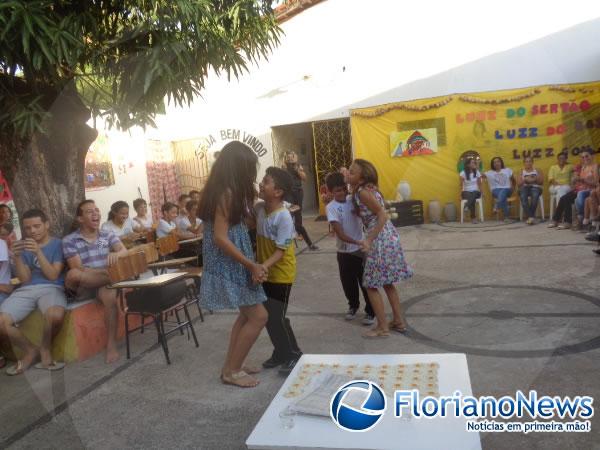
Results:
<point x="17" y="369"/>
<point x="52" y="367"/>
<point x="375" y="334"/>
<point x="234" y="378"/>
<point x="397" y="327"/>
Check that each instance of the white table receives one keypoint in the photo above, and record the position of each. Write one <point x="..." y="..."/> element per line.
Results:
<point x="311" y="432"/>
<point x="190" y="241"/>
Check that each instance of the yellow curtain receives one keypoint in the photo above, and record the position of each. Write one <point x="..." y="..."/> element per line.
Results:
<point x="540" y="121"/>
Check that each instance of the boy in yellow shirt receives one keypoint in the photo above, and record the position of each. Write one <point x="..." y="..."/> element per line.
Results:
<point x="275" y="250"/>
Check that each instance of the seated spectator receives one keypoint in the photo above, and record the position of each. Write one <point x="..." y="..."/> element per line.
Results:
<point x="559" y="177"/>
<point x="181" y="202"/>
<point x="470" y="180"/>
<point x="588" y="177"/>
<point x="530" y="184"/>
<point x="189" y="226"/>
<point x="500" y="180"/>
<point x="38" y="263"/>
<point x="195" y="195"/>
<point x="143" y="219"/>
<point x="585" y="178"/>
<point x="6" y="217"/>
<point x="7" y="234"/>
<point x="592" y="212"/>
<point x="5" y="286"/>
<point x="121" y="225"/>
<point x="88" y="252"/>
<point x="167" y="224"/>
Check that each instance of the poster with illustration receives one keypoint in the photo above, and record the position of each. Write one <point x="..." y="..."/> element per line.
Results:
<point x="98" y="165"/>
<point x="414" y="142"/>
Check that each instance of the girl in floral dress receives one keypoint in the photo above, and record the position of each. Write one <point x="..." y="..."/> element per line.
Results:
<point x="231" y="275"/>
<point x="385" y="263"/>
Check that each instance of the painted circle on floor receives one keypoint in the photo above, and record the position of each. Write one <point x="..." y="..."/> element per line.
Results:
<point x="505" y="320"/>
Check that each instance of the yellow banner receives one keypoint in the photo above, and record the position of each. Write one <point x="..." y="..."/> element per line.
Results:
<point x="424" y="141"/>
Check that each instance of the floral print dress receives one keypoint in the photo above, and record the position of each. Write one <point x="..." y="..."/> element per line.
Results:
<point x="385" y="263"/>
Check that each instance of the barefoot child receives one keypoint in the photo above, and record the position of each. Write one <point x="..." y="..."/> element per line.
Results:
<point x="231" y="275"/>
<point x="385" y="263"/>
<point x="275" y="251"/>
<point x="348" y="228"/>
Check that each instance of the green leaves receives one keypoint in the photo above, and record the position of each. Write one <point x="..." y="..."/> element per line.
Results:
<point x="127" y="57"/>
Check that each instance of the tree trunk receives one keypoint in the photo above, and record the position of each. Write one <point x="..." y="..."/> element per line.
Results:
<point x="49" y="173"/>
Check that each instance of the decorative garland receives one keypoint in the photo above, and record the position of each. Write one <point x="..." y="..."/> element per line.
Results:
<point x="402" y="106"/>
<point x="570" y="90"/>
<point x="498" y="101"/>
<point x="465" y="98"/>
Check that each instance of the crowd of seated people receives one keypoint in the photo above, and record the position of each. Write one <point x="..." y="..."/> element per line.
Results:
<point x="53" y="271"/>
<point x="570" y="187"/>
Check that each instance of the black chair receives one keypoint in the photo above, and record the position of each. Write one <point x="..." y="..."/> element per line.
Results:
<point x="155" y="302"/>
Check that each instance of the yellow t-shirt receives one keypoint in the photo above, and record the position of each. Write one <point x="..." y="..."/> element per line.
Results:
<point x="273" y="231"/>
<point x="561" y="176"/>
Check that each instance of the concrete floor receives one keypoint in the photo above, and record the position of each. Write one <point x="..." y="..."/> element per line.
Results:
<point x="520" y="301"/>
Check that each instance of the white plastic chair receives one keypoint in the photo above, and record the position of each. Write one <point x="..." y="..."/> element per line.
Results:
<point x="540" y="206"/>
<point x="478" y="202"/>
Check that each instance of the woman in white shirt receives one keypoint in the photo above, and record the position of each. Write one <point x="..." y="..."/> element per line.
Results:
<point x="470" y="180"/>
<point x="120" y="224"/>
<point x="530" y="184"/>
<point x="143" y="220"/>
<point x="189" y="225"/>
<point x="500" y="180"/>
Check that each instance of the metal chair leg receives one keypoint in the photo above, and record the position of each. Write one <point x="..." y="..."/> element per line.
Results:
<point x="127" y="334"/>
<point x="200" y="310"/>
<point x="163" y="338"/>
<point x="190" y="325"/>
<point x="178" y="321"/>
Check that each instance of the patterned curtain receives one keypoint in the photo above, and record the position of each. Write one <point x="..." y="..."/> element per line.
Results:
<point x="162" y="178"/>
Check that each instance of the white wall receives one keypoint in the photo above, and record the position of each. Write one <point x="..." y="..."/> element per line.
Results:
<point x="125" y="147"/>
<point x="348" y="53"/>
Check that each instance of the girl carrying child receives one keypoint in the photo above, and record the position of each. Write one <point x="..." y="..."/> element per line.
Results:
<point x="385" y="263"/>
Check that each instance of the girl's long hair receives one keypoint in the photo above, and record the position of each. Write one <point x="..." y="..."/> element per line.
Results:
<point x="368" y="173"/>
<point x="494" y="159"/>
<point x="231" y="182"/>
<point x="468" y="171"/>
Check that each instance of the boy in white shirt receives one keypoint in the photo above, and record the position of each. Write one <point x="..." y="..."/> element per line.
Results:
<point x="349" y="233"/>
<point x="167" y="224"/>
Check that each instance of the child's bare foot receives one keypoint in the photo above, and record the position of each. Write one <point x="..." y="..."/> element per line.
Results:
<point x="376" y="333"/>
<point x="251" y="370"/>
<point x="398" y="326"/>
<point x="239" y="379"/>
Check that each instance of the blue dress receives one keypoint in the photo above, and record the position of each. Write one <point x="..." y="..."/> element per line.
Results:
<point x="226" y="284"/>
